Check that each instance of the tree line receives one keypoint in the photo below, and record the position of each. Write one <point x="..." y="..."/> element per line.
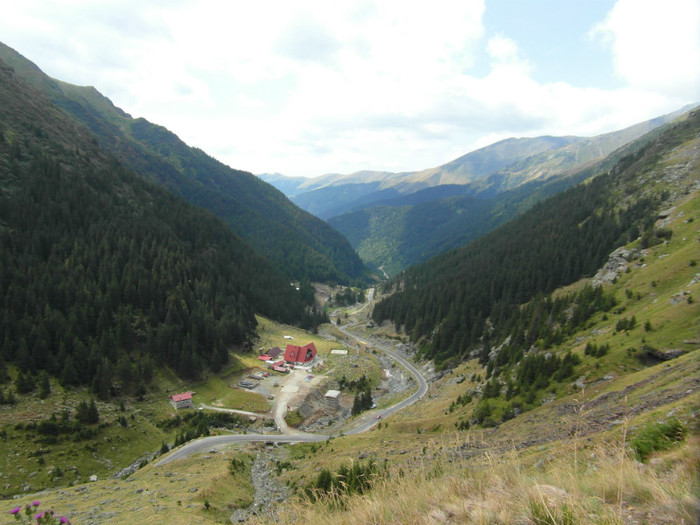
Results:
<point x="451" y="302"/>
<point x="104" y="276"/>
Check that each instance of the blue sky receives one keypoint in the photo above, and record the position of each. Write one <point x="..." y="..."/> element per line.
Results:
<point x="311" y="87"/>
<point x="555" y="35"/>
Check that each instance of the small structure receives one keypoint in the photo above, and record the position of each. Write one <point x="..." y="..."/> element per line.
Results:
<point x="264" y="357"/>
<point x="339" y="352"/>
<point x="332" y="400"/>
<point x="275" y="352"/>
<point x="300" y="354"/>
<point x="183" y="400"/>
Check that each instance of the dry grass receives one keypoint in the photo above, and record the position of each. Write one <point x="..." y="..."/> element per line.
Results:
<point x="606" y="486"/>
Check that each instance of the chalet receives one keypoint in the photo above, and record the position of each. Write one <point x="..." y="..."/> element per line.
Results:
<point x="183" y="400"/>
<point x="300" y="354"/>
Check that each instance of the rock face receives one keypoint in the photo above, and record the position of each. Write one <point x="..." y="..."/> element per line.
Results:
<point x="617" y="263"/>
<point x="663" y="354"/>
<point x="316" y="402"/>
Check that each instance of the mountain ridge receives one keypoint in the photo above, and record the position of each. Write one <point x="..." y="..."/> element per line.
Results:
<point x="99" y="265"/>
<point x="487" y="171"/>
<point x="575" y="229"/>
<point x="464" y="214"/>
<point x="298" y="243"/>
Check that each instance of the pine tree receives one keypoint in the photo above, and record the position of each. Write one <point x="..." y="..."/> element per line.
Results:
<point x="44" y="385"/>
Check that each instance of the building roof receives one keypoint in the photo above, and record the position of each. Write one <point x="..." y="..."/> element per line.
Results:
<point x="333" y="394"/>
<point x="181" y="397"/>
<point x="264" y="357"/>
<point x="274" y="352"/>
<point x="300" y="354"/>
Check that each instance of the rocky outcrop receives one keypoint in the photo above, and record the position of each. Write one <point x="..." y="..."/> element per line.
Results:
<point x="662" y="354"/>
<point x="617" y="263"/>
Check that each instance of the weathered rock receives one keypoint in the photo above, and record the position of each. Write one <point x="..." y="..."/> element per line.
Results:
<point x="663" y="354"/>
<point x="617" y="263"/>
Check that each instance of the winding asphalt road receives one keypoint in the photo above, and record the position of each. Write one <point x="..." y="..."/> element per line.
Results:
<point x="364" y="423"/>
<point x="420" y="380"/>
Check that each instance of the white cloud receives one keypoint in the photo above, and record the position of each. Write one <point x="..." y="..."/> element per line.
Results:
<point x="655" y="45"/>
<point x="311" y="86"/>
<point x="502" y="49"/>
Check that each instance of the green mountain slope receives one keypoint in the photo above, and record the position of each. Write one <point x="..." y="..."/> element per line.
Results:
<point x="102" y="271"/>
<point x="410" y="229"/>
<point x="299" y="244"/>
<point x="461" y="299"/>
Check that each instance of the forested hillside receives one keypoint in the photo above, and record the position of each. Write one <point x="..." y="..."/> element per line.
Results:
<point x="461" y="300"/>
<point x="410" y="229"/>
<point x="103" y="275"/>
<point x="297" y="243"/>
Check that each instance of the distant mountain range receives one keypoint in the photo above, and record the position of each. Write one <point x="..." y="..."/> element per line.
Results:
<point x="395" y="220"/>
<point x="297" y="243"/>
<point x="487" y="171"/>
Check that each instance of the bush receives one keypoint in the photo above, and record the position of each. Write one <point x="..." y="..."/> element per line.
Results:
<point x="656" y="437"/>
<point x="356" y="479"/>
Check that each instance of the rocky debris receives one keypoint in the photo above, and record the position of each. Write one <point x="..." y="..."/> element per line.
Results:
<point x="439" y="516"/>
<point x="666" y="213"/>
<point x="679" y="297"/>
<point x="268" y="489"/>
<point x="550" y="495"/>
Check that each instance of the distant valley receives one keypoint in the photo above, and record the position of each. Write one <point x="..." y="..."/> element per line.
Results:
<point x="395" y="220"/>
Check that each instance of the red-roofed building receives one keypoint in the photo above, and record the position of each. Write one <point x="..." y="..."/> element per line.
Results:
<point x="300" y="354"/>
<point x="264" y="357"/>
<point x="183" y="400"/>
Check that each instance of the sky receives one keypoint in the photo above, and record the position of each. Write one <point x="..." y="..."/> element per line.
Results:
<point x="309" y="87"/>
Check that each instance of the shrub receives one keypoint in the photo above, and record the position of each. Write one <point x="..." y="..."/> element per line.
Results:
<point x="656" y="437"/>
